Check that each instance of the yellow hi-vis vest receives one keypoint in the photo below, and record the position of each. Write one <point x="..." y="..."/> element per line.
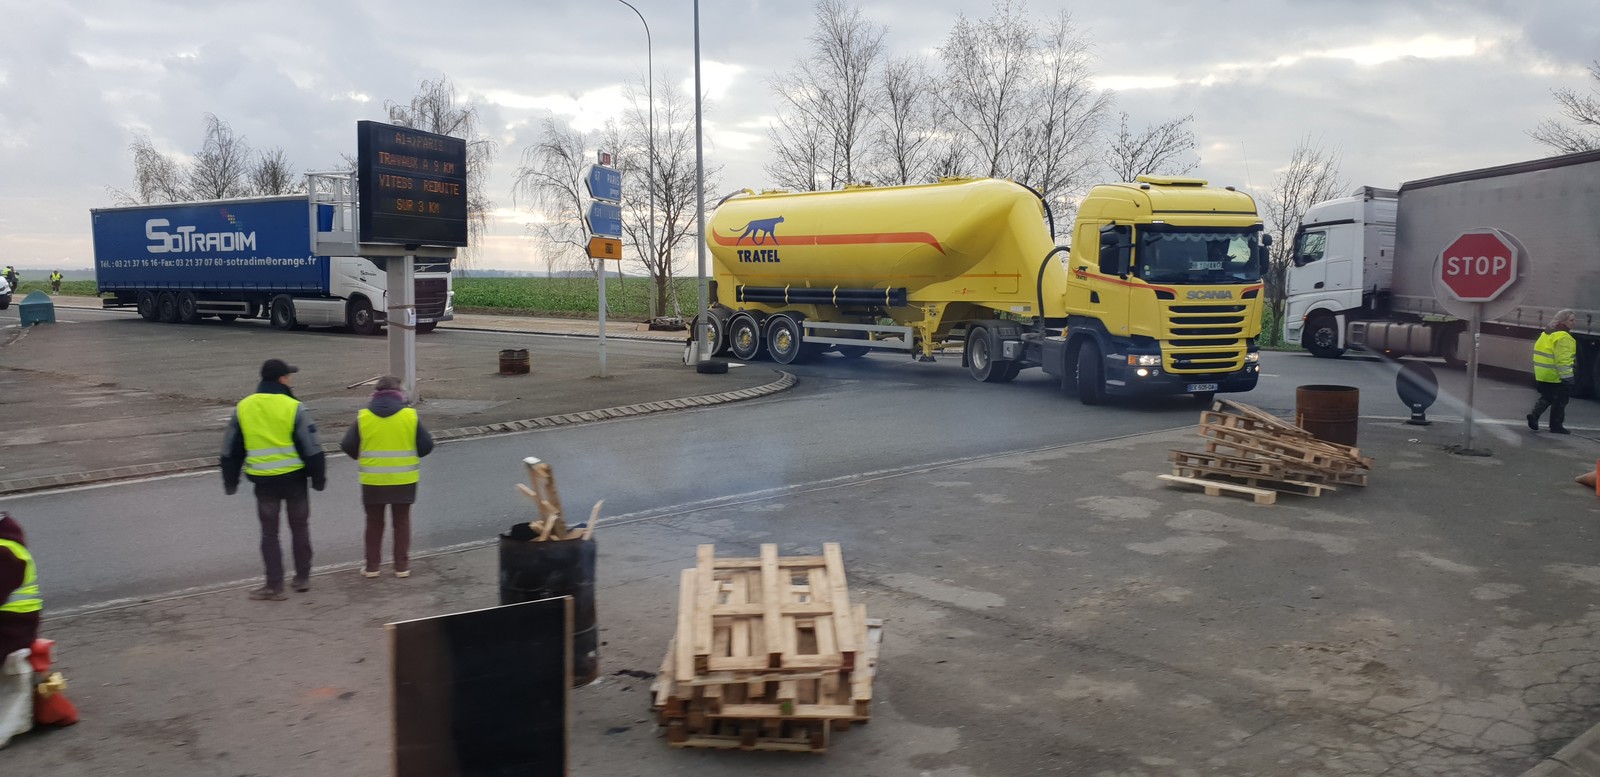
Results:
<point x="26" y="598"/>
<point x="1554" y="355"/>
<point x="389" y="448"/>
<point x="267" y="421"/>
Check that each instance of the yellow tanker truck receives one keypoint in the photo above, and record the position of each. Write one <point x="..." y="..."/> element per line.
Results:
<point x="1160" y="292"/>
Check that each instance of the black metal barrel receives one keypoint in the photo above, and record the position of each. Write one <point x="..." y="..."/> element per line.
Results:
<point x="540" y="570"/>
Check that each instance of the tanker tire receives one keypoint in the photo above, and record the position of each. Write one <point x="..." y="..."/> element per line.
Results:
<point x="980" y="358"/>
<point x="147" y="306"/>
<point x="744" y="338"/>
<point x="785" y="343"/>
<point x="1011" y="371"/>
<point x="167" y="307"/>
<point x="1091" y="378"/>
<point x="282" y="312"/>
<point x="188" y="308"/>
<point x="1322" y="337"/>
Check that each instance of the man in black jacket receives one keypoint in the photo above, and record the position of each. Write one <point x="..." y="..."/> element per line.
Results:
<point x="272" y="440"/>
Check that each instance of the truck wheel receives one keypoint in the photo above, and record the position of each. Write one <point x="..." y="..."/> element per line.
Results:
<point x="980" y="357"/>
<point x="1321" y="337"/>
<point x="188" y="308"/>
<point x="744" y="337"/>
<point x="167" y="307"/>
<point x="282" y="312"/>
<point x="1090" y="379"/>
<point x="423" y="329"/>
<point x="1011" y="371"/>
<point x="785" y="342"/>
<point x="147" y="306"/>
<point x="361" y="318"/>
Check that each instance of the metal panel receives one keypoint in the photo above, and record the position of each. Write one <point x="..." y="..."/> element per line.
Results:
<point x="258" y="244"/>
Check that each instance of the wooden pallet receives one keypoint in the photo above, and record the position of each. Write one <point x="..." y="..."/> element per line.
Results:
<point x="1262" y="496"/>
<point x="1297" y="487"/>
<point x="769" y="654"/>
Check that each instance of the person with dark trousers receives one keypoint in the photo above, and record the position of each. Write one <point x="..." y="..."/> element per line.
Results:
<point x="388" y="443"/>
<point x="272" y="440"/>
<point x="55" y="281"/>
<point x="1555" y="359"/>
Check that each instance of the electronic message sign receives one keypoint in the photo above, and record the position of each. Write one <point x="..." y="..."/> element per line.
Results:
<point x="412" y="186"/>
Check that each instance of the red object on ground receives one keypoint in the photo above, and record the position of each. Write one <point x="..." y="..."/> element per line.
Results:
<point x="50" y="705"/>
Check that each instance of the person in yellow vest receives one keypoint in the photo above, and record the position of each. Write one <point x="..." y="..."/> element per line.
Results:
<point x="1555" y="361"/>
<point x="55" y="281"/>
<point x="388" y="442"/>
<point x="272" y="440"/>
<point x="19" y="627"/>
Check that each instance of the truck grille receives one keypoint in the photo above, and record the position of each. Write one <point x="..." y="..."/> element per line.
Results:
<point x="1205" y="338"/>
<point x="432" y="294"/>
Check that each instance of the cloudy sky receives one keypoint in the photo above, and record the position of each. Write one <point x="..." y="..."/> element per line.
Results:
<point x="1401" y="90"/>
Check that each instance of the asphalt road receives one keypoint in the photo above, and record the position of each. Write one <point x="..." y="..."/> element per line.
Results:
<point x="847" y="420"/>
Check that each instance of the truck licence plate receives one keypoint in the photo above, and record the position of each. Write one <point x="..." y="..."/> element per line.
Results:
<point x="1194" y="387"/>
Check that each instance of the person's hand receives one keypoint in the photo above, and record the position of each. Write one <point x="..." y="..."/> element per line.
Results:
<point x="318" y="484"/>
<point x="230" y="488"/>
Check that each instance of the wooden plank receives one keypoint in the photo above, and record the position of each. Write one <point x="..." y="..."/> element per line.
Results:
<point x="739" y="631"/>
<point x="705" y="602"/>
<point x="1261" y="496"/>
<point x="752" y="609"/>
<point x="689" y="584"/>
<point x="799" y="711"/>
<point x="772" y="597"/>
<point x="839" y="596"/>
<point x="1297" y="487"/>
<point x="787" y="562"/>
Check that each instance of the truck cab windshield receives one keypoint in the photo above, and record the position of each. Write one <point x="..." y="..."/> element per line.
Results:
<point x="1197" y="255"/>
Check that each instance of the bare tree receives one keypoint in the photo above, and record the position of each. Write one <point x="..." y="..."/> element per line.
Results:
<point x="438" y="109"/>
<point x="1023" y="103"/>
<point x="156" y="177"/>
<point x="550" y="181"/>
<point x="904" y="144"/>
<point x="1161" y="149"/>
<point x="1583" y="110"/>
<point x="1311" y="176"/>
<point x="829" y="93"/>
<point x="273" y="174"/>
<point x="658" y="246"/>
<point x="222" y="168"/>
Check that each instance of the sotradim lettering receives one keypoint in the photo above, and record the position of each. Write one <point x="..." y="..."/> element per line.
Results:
<point x="188" y="238"/>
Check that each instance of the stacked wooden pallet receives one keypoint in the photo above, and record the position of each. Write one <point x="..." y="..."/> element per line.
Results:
<point x="1251" y="452"/>
<point x="770" y="654"/>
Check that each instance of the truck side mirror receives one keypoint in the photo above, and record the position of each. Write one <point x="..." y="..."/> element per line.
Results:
<point x="1115" y="247"/>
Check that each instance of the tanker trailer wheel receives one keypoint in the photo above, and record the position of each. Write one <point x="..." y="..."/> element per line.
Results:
<point x="283" y="312"/>
<point x="785" y="342"/>
<point x="188" y="307"/>
<point x="1091" y="377"/>
<point x="1321" y="337"/>
<point x="716" y="334"/>
<point x="980" y="358"/>
<point x="167" y="307"/>
<point x="744" y="337"/>
<point x="147" y="306"/>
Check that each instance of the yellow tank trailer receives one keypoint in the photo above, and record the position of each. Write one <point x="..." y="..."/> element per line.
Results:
<point x="1160" y="293"/>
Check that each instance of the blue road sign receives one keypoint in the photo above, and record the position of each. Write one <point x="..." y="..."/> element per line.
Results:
<point x="605" y="183"/>
<point x="605" y="219"/>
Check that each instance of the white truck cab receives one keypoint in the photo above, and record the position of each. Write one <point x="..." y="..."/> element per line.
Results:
<point x="1343" y="263"/>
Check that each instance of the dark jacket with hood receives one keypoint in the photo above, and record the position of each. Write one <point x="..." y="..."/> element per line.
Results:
<point x="383" y="405"/>
<point x="305" y="444"/>
<point x="17" y="629"/>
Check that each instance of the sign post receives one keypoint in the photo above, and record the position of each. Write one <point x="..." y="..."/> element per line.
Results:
<point x="604" y="218"/>
<point x="1471" y="277"/>
<point x="411" y="192"/>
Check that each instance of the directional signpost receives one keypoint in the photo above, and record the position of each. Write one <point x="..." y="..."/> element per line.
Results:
<point x="604" y="217"/>
<point x="1479" y="275"/>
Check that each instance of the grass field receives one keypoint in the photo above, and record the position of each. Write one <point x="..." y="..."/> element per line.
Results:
<point x="68" y="288"/>
<point x="627" y="298"/>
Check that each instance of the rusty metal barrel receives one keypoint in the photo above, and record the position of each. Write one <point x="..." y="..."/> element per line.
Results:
<point x="1330" y="413"/>
<point x="530" y="571"/>
<point x="514" y="361"/>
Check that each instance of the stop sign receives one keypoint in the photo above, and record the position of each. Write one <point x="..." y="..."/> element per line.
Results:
<point x="1478" y="265"/>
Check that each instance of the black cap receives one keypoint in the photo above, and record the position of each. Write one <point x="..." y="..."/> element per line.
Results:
<point x="273" y="369"/>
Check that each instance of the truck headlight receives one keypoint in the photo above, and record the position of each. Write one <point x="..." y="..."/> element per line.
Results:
<point x="1144" y="360"/>
<point x="1252" y="357"/>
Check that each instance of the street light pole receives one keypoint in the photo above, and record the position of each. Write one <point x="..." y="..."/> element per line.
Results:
<point x="650" y="147"/>
<point x="700" y="198"/>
